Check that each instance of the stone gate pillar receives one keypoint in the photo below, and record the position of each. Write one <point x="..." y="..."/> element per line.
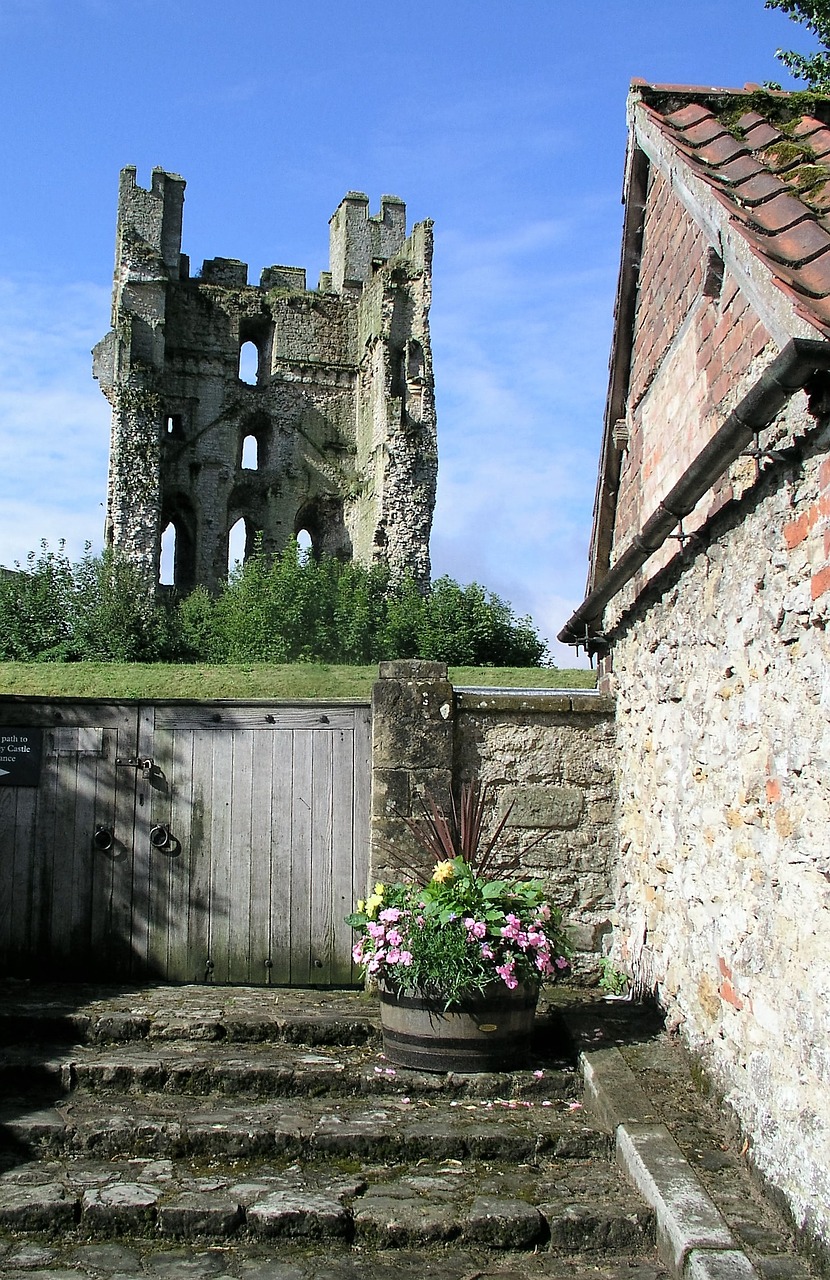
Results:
<point x="413" y="712"/>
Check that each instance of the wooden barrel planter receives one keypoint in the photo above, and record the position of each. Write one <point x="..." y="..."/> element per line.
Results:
<point x="488" y="1031"/>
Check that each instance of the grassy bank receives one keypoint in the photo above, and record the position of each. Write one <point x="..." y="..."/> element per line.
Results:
<point x="248" y="680"/>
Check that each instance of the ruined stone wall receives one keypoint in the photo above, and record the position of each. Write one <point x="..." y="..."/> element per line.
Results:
<point x="550" y="755"/>
<point x="341" y="414"/>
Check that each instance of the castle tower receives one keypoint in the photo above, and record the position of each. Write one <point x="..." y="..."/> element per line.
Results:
<point x="336" y="433"/>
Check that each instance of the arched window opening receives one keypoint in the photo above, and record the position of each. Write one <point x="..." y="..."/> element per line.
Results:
<point x="248" y="363"/>
<point x="167" y="560"/>
<point x="250" y="453"/>
<point x="305" y="545"/>
<point x="237" y="544"/>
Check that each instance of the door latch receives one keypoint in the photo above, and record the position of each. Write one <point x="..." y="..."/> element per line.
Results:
<point x="145" y="763"/>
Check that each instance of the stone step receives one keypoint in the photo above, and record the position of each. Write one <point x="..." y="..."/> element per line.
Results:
<point x="398" y="1127"/>
<point x="260" y="1070"/>
<point x="82" y="1013"/>
<point x="567" y="1207"/>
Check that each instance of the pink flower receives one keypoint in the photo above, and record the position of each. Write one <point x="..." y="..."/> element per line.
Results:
<point x="390" y="915"/>
<point x="476" y="929"/>
<point x="394" y="938"/>
<point x="507" y="972"/>
<point x="562" y="962"/>
<point x="405" y="958"/>
<point x="487" y="952"/>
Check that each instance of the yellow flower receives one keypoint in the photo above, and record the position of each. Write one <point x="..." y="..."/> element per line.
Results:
<point x="443" y="871"/>
<point x="373" y="903"/>
<point x="380" y="888"/>
<point x="361" y="905"/>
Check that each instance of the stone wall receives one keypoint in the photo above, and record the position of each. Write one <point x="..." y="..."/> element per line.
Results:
<point x="723" y="714"/>
<point x="549" y="755"/>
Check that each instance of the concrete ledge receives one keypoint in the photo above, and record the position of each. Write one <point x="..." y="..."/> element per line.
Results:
<point x="686" y="1217"/>
<point x="693" y="1240"/>
<point x="563" y="701"/>
<point x="719" y="1264"/>
<point x="612" y="1093"/>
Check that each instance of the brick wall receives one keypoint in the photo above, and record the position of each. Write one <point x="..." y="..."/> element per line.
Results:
<point x="697" y="348"/>
<point x="671" y="275"/>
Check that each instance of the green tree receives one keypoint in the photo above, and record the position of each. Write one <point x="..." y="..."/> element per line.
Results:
<point x="36" y="608"/>
<point x="815" y="16"/>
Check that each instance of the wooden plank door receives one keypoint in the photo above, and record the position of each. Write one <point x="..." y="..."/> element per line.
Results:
<point x="66" y="906"/>
<point x="267" y="809"/>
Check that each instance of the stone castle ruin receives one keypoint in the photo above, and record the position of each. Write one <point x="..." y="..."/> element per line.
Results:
<point x="336" y="435"/>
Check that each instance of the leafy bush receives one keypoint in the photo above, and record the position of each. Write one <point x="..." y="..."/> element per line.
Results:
<point x="36" y="608"/>
<point x="277" y="609"/>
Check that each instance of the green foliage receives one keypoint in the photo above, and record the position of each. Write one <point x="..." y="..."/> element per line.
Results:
<point x="275" y="609"/>
<point x="36" y="608"/>
<point x="114" y="619"/>
<point x="610" y="978"/>
<point x="459" y="933"/>
<point x="815" y="16"/>
<point x="97" y="609"/>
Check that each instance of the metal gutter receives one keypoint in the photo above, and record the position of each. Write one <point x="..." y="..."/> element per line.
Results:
<point x="788" y="373"/>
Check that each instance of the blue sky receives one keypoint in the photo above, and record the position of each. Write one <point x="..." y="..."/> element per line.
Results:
<point x="504" y="122"/>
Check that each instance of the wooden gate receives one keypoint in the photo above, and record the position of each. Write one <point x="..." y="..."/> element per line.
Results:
<point x="190" y="842"/>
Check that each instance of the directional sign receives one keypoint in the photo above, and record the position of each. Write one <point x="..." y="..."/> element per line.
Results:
<point x="20" y="754"/>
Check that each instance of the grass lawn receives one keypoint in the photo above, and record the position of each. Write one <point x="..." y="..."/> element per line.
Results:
<point x="247" y="680"/>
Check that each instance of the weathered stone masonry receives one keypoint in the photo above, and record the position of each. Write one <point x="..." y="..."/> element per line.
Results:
<point x="341" y="418"/>
<point x="549" y="754"/>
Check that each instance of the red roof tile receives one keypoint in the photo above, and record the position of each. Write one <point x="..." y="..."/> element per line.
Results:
<point x="761" y="135"/>
<point x="762" y="187"/>
<point x="805" y="126"/>
<point x="704" y="131"/>
<point x="799" y="245"/>
<point x="780" y="213"/>
<point x="811" y="280"/>
<point x="787" y="230"/>
<point x="740" y="169"/>
<point x="819" y="143"/>
<point x="688" y="116"/>
<point x="748" y="119"/>
<point x="820" y="199"/>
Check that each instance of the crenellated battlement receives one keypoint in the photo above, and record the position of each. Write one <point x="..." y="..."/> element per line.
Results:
<point x="358" y="241"/>
<point x="154" y="215"/>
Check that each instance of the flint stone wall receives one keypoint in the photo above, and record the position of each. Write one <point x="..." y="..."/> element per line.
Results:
<point x="549" y="755"/>
<point x="723" y="715"/>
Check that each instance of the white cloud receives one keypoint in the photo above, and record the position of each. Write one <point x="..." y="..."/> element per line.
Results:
<point x="54" y="422"/>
